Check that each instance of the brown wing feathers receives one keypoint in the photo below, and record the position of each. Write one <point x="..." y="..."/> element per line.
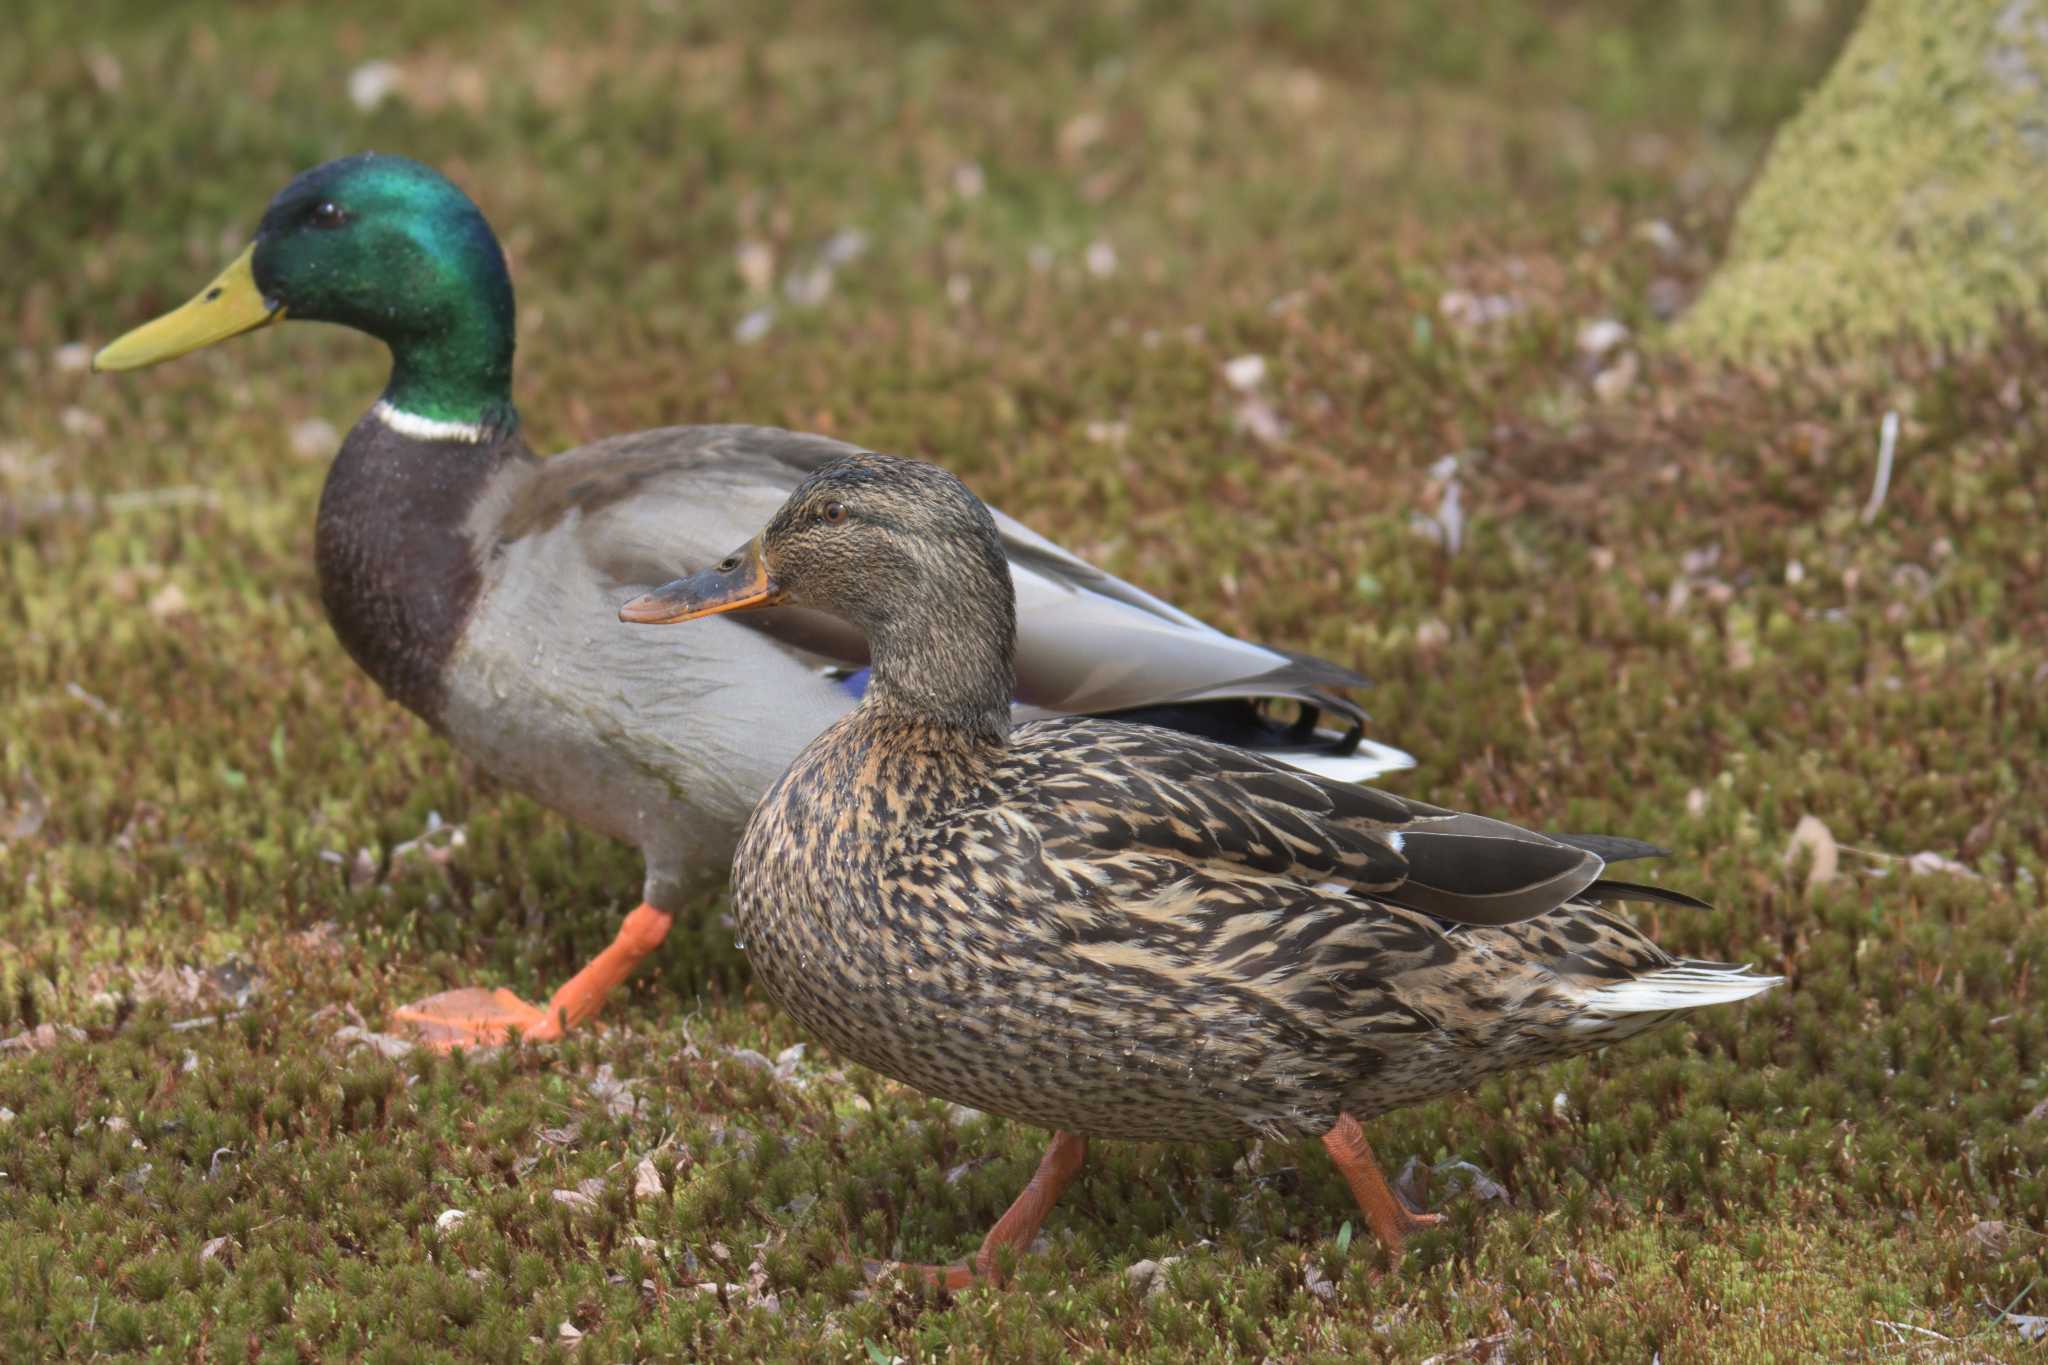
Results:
<point x="1141" y="789"/>
<point x="1471" y="870"/>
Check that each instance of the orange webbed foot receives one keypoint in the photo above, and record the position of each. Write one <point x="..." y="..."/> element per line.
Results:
<point x="1015" y="1229"/>
<point x="476" y="1018"/>
<point x="1388" y="1213"/>
<point x="952" y="1278"/>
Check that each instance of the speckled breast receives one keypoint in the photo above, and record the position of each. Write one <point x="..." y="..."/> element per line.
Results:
<point x="968" y="1004"/>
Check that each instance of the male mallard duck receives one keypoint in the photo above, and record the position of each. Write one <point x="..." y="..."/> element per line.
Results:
<point x="1120" y="931"/>
<point x="477" y="583"/>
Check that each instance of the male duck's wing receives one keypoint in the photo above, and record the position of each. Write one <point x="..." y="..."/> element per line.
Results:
<point x="1096" y="643"/>
<point x="653" y="505"/>
<point x="1088" y="642"/>
<point x="656" y="504"/>
<point x="1130" y="790"/>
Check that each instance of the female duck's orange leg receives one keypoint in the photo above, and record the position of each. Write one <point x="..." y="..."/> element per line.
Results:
<point x="479" y="1018"/>
<point x="1019" y="1223"/>
<point x="1391" y="1219"/>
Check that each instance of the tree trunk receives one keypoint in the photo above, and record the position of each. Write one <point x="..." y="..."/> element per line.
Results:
<point x="1909" y="197"/>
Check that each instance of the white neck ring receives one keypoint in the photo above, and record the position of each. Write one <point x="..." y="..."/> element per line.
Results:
<point x="427" y="428"/>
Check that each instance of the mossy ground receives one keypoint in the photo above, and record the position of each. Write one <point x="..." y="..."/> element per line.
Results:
<point x="1666" y="618"/>
<point x="1904" y="198"/>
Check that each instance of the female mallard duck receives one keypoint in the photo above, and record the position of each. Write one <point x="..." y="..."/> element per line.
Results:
<point x="1119" y="931"/>
<point x="476" y="583"/>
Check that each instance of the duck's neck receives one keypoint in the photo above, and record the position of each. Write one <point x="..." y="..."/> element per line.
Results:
<point x="952" y="664"/>
<point x="455" y="384"/>
<point x="400" y="561"/>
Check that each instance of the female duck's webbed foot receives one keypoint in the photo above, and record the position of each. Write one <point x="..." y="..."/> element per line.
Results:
<point x="1016" y="1228"/>
<point x="1391" y="1218"/>
<point x="473" y="1017"/>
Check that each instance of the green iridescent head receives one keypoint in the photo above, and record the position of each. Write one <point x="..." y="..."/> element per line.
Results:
<point x="381" y="244"/>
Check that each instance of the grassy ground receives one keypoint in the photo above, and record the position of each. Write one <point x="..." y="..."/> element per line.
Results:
<point x="1665" y="617"/>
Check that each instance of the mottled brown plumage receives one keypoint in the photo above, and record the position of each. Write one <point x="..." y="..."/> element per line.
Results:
<point x="1118" y="931"/>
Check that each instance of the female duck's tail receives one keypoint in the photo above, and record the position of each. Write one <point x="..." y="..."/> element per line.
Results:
<point x="1687" y="984"/>
<point x="1637" y="984"/>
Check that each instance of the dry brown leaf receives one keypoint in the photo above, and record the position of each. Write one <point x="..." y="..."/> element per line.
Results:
<point x="41" y="1037"/>
<point x="1824" y="857"/>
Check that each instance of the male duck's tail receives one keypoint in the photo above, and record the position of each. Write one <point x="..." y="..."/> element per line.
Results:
<point x="1312" y="730"/>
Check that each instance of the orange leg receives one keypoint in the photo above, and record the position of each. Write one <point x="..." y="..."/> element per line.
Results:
<point x="1019" y="1223"/>
<point x="474" y="1017"/>
<point x="1391" y="1219"/>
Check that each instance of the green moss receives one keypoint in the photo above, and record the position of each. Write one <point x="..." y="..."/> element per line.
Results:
<point x="1904" y="198"/>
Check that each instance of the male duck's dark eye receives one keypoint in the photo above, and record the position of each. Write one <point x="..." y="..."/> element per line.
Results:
<point x="328" y="214"/>
<point x="833" y="513"/>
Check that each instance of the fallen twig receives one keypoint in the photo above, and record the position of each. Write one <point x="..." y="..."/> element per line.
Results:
<point x="1904" y="1327"/>
<point x="205" y="1021"/>
<point x="1887" y="442"/>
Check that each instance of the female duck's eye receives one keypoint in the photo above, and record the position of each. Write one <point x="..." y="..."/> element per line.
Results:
<point x="328" y="214"/>
<point x="834" y="513"/>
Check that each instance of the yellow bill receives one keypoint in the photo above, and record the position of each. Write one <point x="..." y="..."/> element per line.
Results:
<point x="228" y="307"/>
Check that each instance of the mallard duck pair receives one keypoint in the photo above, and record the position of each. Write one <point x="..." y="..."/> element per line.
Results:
<point x="1107" y="928"/>
<point x="1115" y="930"/>
<point x="477" y="584"/>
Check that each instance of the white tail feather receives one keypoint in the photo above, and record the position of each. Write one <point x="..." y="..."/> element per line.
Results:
<point x="1687" y="986"/>
<point x="1370" y="761"/>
